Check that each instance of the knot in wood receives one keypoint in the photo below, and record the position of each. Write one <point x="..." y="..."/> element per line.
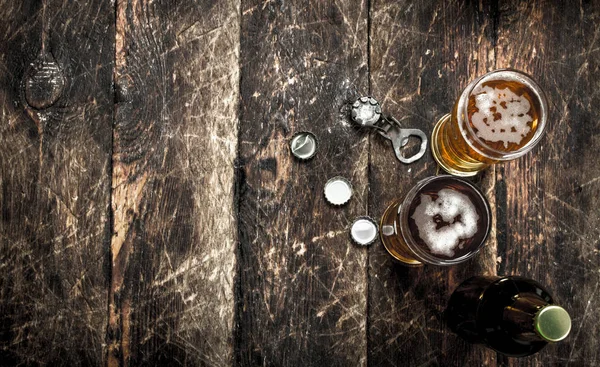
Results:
<point x="44" y="82"/>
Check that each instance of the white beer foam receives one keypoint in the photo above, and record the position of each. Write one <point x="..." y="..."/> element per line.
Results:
<point x="449" y="205"/>
<point x="512" y="126"/>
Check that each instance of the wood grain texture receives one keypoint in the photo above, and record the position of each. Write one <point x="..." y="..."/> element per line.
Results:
<point x="422" y="55"/>
<point x="55" y="128"/>
<point x="550" y="198"/>
<point x="175" y="140"/>
<point x="152" y="214"/>
<point x="302" y="283"/>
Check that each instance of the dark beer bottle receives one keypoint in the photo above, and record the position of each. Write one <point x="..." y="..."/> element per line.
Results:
<point x="514" y="316"/>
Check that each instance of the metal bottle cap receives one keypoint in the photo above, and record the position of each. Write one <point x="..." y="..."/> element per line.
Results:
<point x="552" y="323"/>
<point x="303" y="145"/>
<point x="338" y="191"/>
<point x="366" y="111"/>
<point x="364" y="231"/>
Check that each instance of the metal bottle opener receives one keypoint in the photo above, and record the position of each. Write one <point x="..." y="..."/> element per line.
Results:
<point x="366" y="112"/>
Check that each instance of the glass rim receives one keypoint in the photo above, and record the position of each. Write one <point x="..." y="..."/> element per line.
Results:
<point x="408" y="238"/>
<point x="469" y="134"/>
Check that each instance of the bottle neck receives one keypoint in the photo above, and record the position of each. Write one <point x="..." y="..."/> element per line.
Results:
<point x="519" y="317"/>
<point x="530" y="318"/>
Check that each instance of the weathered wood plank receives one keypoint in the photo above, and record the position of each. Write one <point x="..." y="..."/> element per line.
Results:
<point x="302" y="284"/>
<point x="55" y="133"/>
<point x="303" y="294"/>
<point x="422" y="55"/>
<point x="175" y="140"/>
<point x="551" y="197"/>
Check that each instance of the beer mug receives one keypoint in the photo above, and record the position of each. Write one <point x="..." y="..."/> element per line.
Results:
<point x="443" y="220"/>
<point x="498" y="117"/>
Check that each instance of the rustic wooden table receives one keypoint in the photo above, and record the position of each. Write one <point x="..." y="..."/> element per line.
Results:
<point x="151" y="213"/>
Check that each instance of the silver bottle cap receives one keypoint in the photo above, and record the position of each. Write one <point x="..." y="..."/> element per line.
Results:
<point x="364" y="231"/>
<point x="366" y="111"/>
<point x="338" y="191"/>
<point x="303" y="145"/>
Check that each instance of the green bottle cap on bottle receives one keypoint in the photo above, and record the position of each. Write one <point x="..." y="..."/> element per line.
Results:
<point x="552" y="323"/>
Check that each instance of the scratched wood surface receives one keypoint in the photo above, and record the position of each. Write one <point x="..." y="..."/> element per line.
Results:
<point x="152" y="213"/>
<point x="56" y="106"/>
<point x="174" y="139"/>
<point x="302" y="285"/>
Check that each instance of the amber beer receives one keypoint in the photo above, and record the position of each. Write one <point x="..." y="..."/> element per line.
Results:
<point x="498" y="117"/>
<point x="443" y="220"/>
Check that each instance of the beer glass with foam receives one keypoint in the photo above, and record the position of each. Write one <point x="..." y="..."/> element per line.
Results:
<point x="443" y="220"/>
<point x="498" y="117"/>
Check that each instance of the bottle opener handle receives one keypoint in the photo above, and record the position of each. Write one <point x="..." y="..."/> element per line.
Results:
<point x="399" y="138"/>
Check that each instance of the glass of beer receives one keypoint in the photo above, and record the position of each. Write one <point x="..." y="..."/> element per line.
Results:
<point x="498" y="117"/>
<point x="443" y="220"/>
